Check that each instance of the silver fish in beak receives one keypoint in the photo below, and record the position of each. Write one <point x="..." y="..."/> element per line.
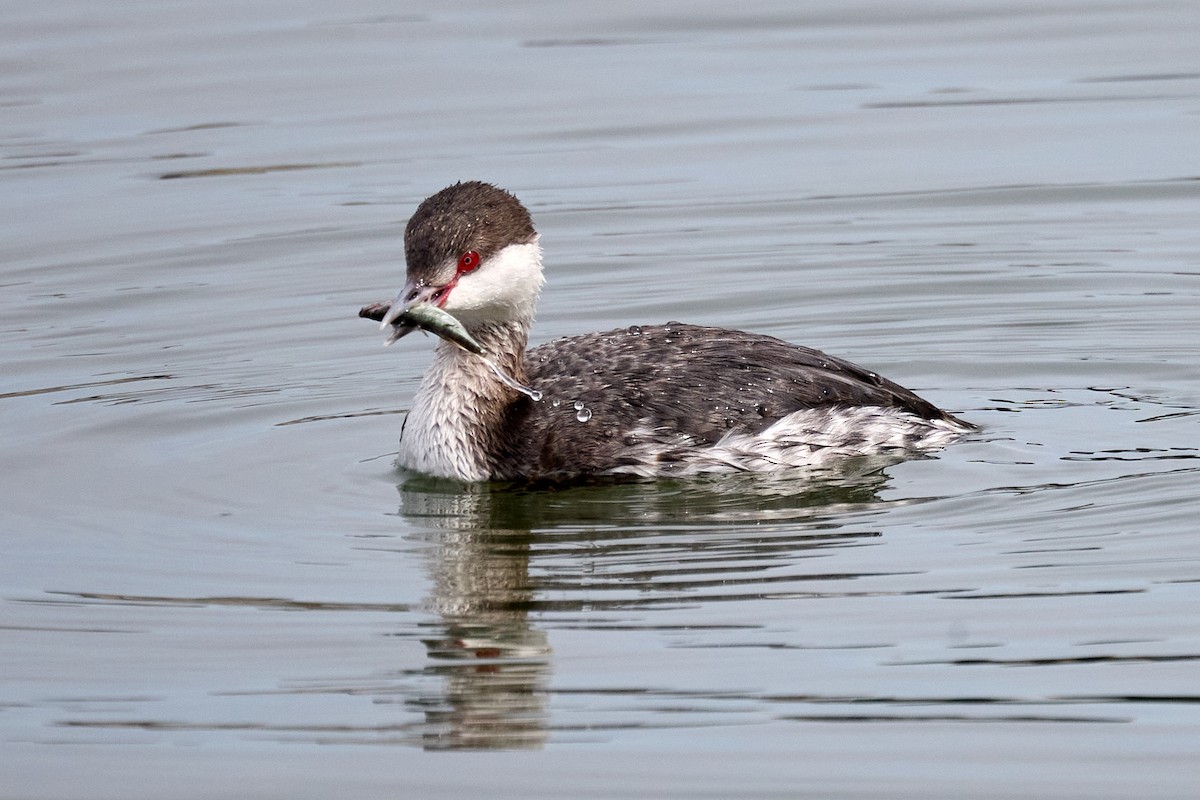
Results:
<point x="425" y="316"/>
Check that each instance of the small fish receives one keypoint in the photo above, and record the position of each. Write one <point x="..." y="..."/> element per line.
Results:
<point x="431" y="318"/>
<point x="443" y="324"/>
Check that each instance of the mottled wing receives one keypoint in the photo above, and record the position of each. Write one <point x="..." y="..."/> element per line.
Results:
<point x="603" y="390"/>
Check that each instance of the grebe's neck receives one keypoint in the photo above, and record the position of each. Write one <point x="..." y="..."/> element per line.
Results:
<point x="455" y="427"/>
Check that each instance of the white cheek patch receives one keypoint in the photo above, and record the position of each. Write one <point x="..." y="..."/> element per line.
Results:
<point x="503" y="288"/>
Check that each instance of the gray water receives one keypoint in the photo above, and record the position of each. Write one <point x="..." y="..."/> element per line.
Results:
<point x="214" y="584"/>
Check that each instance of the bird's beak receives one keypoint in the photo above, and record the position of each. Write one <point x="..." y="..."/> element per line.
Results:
<point x="419" y="306"/>
<point x="414" y="293"/>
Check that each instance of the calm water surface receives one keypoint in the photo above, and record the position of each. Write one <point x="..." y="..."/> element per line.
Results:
<point x="214" y="584"/>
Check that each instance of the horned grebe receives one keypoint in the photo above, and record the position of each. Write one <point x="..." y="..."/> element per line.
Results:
<point x="650" y="400"/>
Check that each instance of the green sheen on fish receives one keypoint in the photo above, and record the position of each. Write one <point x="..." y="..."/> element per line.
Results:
<point x="441" y="323"/>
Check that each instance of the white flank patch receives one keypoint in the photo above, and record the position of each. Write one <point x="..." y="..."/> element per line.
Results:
<point x="814" y="438"/>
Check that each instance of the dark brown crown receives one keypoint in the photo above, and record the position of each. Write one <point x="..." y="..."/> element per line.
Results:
<point x="466" y="216"/>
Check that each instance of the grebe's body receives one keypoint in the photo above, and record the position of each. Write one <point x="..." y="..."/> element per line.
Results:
<point x="655" y="400"/>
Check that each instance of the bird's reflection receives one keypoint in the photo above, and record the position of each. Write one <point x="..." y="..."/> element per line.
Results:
<point x="494" y="665"/>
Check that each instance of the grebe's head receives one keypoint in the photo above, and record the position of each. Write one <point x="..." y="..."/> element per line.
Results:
<point x="473" y="252"/>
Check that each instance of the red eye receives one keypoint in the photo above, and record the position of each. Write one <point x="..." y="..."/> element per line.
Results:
<point x="468" y="261"/>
